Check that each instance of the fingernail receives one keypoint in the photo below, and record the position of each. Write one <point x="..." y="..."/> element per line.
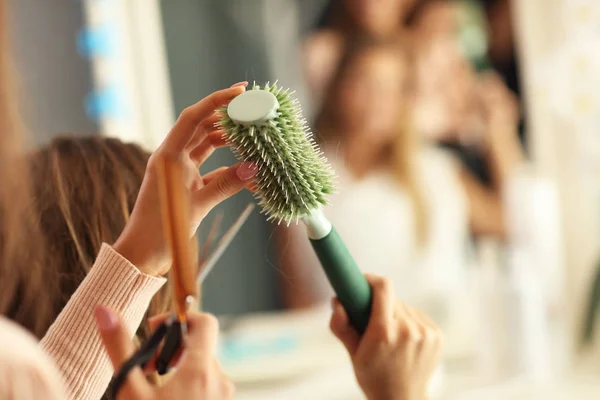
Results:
<point x="244" y="84"/>
<point x="106" y="319"/>
<point x="246" y="171"/>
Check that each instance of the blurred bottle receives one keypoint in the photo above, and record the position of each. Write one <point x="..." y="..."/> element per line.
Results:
<point x="536" y="269"/>
<point x="522" y="320"/>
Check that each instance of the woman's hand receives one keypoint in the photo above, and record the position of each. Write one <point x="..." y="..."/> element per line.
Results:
<point x="192" y="140"/>
<point x="500" y="105"/>
<point x="197" y="376"/>
<point x="502" y="114"/>
<point x="398" y="353"/>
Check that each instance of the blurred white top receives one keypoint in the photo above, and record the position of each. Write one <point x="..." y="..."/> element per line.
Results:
<point x="374" y="216"/>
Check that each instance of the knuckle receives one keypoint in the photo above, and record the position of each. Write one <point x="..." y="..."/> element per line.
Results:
<point x="382" y="284"/>
<point x="186" y="114"/>
<point x="429" y="335"/>
<point x="207" y="320"/>
<point x="223" y="185"/>
<point x="417" y="336"/>
<point x="201" y="376"/>
<point x="382" y="334"/>
<point x="408" y="332"/>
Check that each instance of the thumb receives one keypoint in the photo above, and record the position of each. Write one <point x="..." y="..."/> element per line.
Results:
<point x="221" y="186"/>
<point x="203" y="336"/>
<point x="118" y="345"/>
<point x="341" y="328"/>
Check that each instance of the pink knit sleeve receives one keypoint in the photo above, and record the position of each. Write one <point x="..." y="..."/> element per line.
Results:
<point x="73" y="340"/>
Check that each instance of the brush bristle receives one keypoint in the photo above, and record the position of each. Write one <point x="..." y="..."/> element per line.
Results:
<point x="294" y="178"/>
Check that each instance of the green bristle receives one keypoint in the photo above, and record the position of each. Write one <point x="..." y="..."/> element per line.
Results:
<point x="294" y="177"/>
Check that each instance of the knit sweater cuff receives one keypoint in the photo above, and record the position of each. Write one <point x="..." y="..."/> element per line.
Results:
<point x="73" y="340"/>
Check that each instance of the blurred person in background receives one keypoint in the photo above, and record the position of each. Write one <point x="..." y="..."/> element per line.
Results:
<point x="405" y="208"/>
<point x="343" y="22"/>
<point x="502" y="50"/>
<point x="447" y="109"/>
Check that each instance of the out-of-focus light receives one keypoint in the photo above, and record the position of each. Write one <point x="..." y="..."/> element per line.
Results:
<point x="105" y="103"/>
<point x="96" y="42"/>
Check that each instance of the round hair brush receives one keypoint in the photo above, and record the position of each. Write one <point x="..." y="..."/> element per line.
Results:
<point x="265" y="126"/>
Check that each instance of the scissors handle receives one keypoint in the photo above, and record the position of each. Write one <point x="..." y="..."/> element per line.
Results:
<point x="171" y="347"/>
<point x="142" y="356"/>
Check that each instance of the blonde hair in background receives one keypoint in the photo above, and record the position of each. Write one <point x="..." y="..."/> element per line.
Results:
<point x="404" y="166"/>
<point x="401" y="153"/>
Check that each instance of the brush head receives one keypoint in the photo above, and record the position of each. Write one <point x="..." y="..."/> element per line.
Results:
<point x="265" y="126"/>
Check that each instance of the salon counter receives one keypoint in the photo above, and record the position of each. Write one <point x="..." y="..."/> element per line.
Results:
<point x="292" y="355"/>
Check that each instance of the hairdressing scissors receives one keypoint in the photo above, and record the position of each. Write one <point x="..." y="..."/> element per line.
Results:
<point x="170" y="332"/>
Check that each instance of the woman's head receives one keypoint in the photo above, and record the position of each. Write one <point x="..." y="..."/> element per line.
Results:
<point x="370" y="102"/>
<point x="435" y="18"/>
<point x="84" y="190"/>
<point x="378" y="17"/>
<point x="445" y="77"/>
<point x="369" y="94"/>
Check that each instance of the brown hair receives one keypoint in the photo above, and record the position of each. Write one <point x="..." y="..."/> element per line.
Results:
<point x="20" y="240"/>
<point x="401" y="152"/>
<point x="85" y="189"/>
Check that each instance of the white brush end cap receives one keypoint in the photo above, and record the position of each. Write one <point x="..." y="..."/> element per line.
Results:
<point x="317" y="225"/>
<point x="253" y="107"/>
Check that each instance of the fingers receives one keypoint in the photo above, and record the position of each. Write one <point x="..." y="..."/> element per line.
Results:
<point x="420" y="337"/>
<point x="205" y="148"/>
<point x="207" y="125"/>
<point x="198" y="361"/>
<point x="212" y="175"/>
<point x="201" y="341"/>
<point x="191" y="117"/>
<point x="432" y="336"/>
<point x="384" y="300"/>
<point x="221" y="186"/>
<point x="412" y="328"/>
<point x="251" y="186"/>
<point x="118" y="345"/>
<point x="341" y="328"/>
<point x="492" y="77"/>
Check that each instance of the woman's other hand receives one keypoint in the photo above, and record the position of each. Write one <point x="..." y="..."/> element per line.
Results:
<point x="399" y="351"/>
<point x="500" y="105"/>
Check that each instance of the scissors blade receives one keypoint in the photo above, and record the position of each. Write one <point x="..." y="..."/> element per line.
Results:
<point x="212" y="259"/>
<point x="210" y="239"/>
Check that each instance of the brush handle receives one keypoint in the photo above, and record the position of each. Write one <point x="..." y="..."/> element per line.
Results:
<point x="348" y="282"/>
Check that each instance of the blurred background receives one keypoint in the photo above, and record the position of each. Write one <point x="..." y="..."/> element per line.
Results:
<point x="465" y="134"/>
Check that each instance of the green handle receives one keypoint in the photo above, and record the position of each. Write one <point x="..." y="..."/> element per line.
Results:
<point x="349" y="283"/>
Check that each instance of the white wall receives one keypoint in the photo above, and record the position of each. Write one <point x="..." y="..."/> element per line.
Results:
<point x="559" y="44"/>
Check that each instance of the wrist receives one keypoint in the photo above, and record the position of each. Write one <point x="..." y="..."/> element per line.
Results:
<point x="400" y="394"/>
<point x="136" y="254"/>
